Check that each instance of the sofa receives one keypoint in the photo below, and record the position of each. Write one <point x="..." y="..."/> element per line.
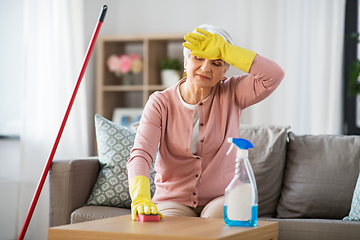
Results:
<point x="306" y="183"/>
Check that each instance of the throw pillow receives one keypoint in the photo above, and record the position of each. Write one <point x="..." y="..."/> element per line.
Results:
<point x="114" y="143"/>
<point x="354" y="214"/>
<point x="267" y="159"/>
<point x="320" y="176"/>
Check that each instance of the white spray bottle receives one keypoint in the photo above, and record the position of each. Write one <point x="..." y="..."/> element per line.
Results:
<point x="241" y="198"/>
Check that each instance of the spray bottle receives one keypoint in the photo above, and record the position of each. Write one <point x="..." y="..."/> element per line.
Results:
<point x="241" y="198"/>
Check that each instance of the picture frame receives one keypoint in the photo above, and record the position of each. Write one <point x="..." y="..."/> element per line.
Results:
<point x="126" y="116"/>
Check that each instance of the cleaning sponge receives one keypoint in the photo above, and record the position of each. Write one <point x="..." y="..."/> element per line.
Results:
<point x="148" y="218"/>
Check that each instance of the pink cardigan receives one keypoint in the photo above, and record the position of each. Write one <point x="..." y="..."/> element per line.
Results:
<point x="166" y="124"/>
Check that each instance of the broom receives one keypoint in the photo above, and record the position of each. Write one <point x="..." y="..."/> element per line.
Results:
<point x="52" y="153"/>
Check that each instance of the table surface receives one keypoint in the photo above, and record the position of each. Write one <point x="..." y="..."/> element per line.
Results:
<point x="190" y="228"/>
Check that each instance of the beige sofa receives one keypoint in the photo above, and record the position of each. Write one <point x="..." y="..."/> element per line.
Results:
<point x="306" y="183"/>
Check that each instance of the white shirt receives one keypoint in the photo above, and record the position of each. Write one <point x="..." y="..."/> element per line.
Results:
<point x="195" y="134"/>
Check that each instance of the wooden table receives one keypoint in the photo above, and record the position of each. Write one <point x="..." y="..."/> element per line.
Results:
<point x="172" y="228"/>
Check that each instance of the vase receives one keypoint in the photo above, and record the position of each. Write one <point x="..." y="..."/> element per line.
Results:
<point x="169" y="77"/>
<point x="128" y="79"/>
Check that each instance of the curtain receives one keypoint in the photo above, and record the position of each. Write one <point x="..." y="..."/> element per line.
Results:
<point x="53" y="53"/>
<point x="306" y="38"/>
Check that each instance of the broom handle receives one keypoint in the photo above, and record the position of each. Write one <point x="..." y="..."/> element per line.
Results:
<point x="51" y="156"/>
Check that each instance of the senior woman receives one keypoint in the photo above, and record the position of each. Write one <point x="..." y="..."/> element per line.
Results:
<point x="189" y="125"/>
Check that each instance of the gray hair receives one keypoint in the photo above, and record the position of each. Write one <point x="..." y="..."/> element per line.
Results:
<point x="213" y="29"/>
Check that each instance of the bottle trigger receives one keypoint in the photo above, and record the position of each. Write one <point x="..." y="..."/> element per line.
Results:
<point x="231" y="147"/>
<point x="229" y="140"/>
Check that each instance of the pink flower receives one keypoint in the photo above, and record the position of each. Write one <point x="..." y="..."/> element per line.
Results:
<point x="124" y="63"/>
<point x="135" y="56"/>
<point x="113" y="63"/>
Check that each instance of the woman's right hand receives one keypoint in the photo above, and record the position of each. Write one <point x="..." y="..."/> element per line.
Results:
<point x="207" y="45"/>
<point x="139" y="188"/>
<point x="212" y="46"/>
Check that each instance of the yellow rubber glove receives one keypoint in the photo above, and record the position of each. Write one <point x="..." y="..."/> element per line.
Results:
<point x="139" y="187"/>
<point x="212" y="46"/>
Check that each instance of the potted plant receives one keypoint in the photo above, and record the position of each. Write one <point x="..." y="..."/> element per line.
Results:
<point x="354" y="71"/>
<point x="170" y="71"/>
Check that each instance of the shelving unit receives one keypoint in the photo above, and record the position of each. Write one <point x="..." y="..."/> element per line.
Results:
<point x="110" y="93"/>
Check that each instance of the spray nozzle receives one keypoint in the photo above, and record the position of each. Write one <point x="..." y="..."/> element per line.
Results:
<point x="242" y="144"/>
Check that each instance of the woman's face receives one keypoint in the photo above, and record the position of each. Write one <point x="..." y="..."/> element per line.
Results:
<point x="204" y="73"/>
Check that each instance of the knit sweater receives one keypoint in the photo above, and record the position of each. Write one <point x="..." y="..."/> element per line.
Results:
<point x="166" y="125"/>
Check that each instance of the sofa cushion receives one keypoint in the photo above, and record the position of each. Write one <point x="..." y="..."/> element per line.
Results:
<point x="114" y="143"/>
<point x="267" y="160"/>
<point x="89" y="213"/>
<point x="320" y="176"/>
<point x="316" y="229"/>
<point x="354" y="214"/>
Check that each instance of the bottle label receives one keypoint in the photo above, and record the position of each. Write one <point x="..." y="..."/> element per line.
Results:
<point x="240" y="202"/>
